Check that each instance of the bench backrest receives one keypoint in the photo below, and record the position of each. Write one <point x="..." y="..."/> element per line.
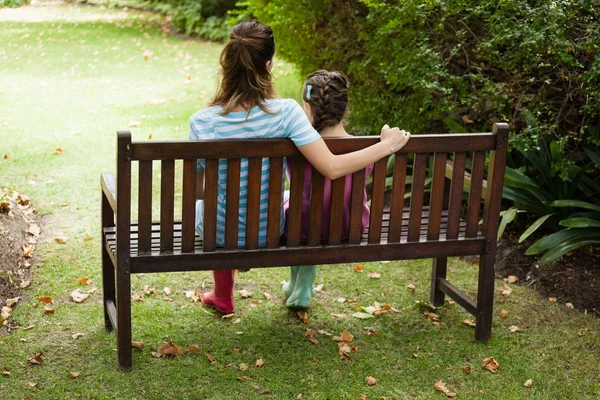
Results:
<point x="418" y="173"/>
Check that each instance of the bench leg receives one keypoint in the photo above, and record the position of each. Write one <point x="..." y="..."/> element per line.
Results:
<point x="485" y="298"/>
<point x="438" y="270"/>
<point x="108" y="285"/>
<point x="124" y="317"/>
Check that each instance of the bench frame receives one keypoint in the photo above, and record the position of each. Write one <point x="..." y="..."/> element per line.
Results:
<point x="120" y="258"/>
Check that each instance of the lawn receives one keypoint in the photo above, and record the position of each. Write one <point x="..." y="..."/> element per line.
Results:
<point x="70" y="77"/>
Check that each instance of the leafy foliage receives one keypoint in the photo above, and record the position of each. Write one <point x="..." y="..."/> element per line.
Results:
<point x="440" y="65"/>
<point x="13" y="3"/>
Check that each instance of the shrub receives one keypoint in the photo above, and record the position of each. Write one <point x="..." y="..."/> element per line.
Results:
<point x="13" y="3"/>
<point x="439" y="64"/>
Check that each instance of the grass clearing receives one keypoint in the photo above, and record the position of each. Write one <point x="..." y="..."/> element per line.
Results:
<point x="69" y="78"/>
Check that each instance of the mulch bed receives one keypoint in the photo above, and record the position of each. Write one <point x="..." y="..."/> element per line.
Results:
<point x="574" y="278"/>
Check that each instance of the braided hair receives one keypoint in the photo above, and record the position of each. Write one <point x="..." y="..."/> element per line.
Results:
<point x="328" y="96"/>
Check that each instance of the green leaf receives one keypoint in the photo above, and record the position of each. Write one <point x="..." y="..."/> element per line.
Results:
<point x="454" y="126"/>
<point x="533" y="227"/>
<point x="595" y="157"/>
<point x="560" y="251"/>
<point x="362" y="315"/>
<point x="508" y="216"/>
<point x="575" y="203"/>
<point x="580" y="223"/>
<point x="559" y="238"/>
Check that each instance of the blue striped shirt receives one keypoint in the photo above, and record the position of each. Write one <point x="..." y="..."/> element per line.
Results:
<point x="289" y="121"/>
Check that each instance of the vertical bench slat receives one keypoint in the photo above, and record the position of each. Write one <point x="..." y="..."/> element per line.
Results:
<point x="275" y="193"/>
<point x="294" y="217"/>
<point x="456" y="189"/>
<point x="145" y="207"/>
<point x="211" y="181"/>
<point x="356" y="206"/>
<point x="188" y="206"/>
<point x="253" y="202"/>
<point x="337" y="211"/>
<point x="378" y="191"/>
<point x="397" y="206"/>
<point x="416" y="198"/>
<point x="316" y="208"/>
<point x="475" y="194"/>
<point x="232" y="207"/>
<point x="167" y="205"/>
<point x="437" y="196"/>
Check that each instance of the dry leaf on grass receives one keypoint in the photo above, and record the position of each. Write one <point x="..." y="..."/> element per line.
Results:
<point x="374" y="275"/>
<point x="170" y="349"/>
<point x="358" y="268"/>
<point x="74" y="374"/>
<point x="467" y="369"/>
<point x="84" y="281"/>
<point x="432" y="317"/>
<point x="569" y="305"/>
<point x="319" y="288"/>
<point x="227" y="316"/>
<point x="88" y="239"/>
<point x="267" y="296"/>
<point x="514" y="328"/>
<point x="78" y="297"/>
<point x="5" y="373"/>
<point x="346" y="337"/>
<point x="58" y="150"/>
<point x="552" y="299"/>
<point x="77" y="335"/>
<point x="411" y="287"/>
<point x="512" y="279"/>
<point x="11" y="302"/>
<point x="363" y="397"/>
<point x="441" y="386"/>
<point x="33" y="384"/>
<point x="245" y="294"/>
<point x="340" y="300"/>
<point x="490" y="364"/>
<point x="193" y="347"/>
<point x="503" y="314"/>
<point x="60" y="240"/>
<point x="371" y="381"/>
<point x="469" y="322"/>
<point x="254" y="304"/>
<point x="344" y="351"/>
<point x="168" y="291"/>
<point x="259" y="363"/>
<point x="303" y="315"/>
<point x="243" y="367"/>
<point x="45" y="299"/>
<point x="310" y="335"/>
<point x="48" y="310"/>
<point x="528" y="383"/>
<point x="505" y="290"/>
<point x="37" y="360"/>
<point x="137" y="345"/>
<point x="210" y="358"/>
<point x="193" y="296"/>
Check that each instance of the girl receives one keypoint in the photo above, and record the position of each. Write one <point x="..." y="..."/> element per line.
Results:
<point x="325" y="96"/>
<point x="246" y="106"/>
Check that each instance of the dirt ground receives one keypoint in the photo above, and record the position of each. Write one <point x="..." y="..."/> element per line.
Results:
<point x="574" y="278"/>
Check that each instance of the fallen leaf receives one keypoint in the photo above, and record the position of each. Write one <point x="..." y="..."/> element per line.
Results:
<point x="505" y="290"/>
<point x="194" y="296"/>
<point x="88" y="238"/>
<point x="503" y="314"/>
<point x="374" y="275"/>
<point x="156" y="354"/>
<point x="245" y="294"/>
<point x="84" y="281"/>
<point x="168" y="291"/>
<point x="79" y="297"/>
<point x="411" y="287"/>
<point x="28" y="250"/>
<point x="254" y="304"/>
<point x="310" y="336"/>
<point x="237" y="321"/>
<point x="77" y="335"/>
<point x="303" y="315"/>
<point x="11" y="302"/>
<point x="149" y="290"/>
<point x="227" y="316"/>
<point x="267" y="296"/>
<point x="5" y="373"/>
<point x="514" y="328"/>
<point x="137" y="297"/>
<point x="170" y="349"/>
<point x="33" y="384"/>
<point x="528" y="383"/>
<point x="319" y="288"/>
<point x="432" y="316"/>
<point x="467" y="369"/>
<point x="469" y="322"/>
<point x="380" y="312"/>
<point x="338" y="315"/>
<point x="415" y="355"/>
<point x="490" y="364"/>
<point x="344" y="351"/>
<point x="359" y="268"/>
<point x="48" y="310"/>
<point x="363" y="397"/>
<point x="193" y="347"/>
<point x="441" y="386"/>
<point x="243" y="378"/>
<point x="569" y="305"/>
<point x="58" y="150"/>
<point x="34" y="230"/>
<point x="259" y="363"/>
<point x="210" y="358"/>
<point x="74" y="374"/>
<point x="466" y="119"/>
<point x="340" y="300"/>
<point x="60" y="240"/>
<point x="363" y="315"/>
<point x="552" y="299"/>
<point x="371" y="381"/>
<point x="512" y="279"/>
<point x="24" y="284"/>
<point x="346" y="337"/>
<point x="243" y="367"/>
<point x="45" y="299"/>
<point x="37" y="360"/>
<point x="137" y="345"/>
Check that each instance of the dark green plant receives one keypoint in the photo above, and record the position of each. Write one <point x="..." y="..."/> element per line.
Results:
<point x="13" y="3"/>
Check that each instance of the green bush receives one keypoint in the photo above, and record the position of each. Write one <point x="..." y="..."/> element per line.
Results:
<point x="459" y="65"/>
<point x="13" y="3"/>
<point x="205" y="18"/>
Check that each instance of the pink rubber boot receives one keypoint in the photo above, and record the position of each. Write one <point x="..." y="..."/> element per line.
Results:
<point x="221" y="297"/>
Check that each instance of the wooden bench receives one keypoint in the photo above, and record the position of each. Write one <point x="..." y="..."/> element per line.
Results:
<point x="437" y="223"/>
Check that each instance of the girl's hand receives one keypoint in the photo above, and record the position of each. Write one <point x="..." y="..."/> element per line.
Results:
<point x="394" y="138"/>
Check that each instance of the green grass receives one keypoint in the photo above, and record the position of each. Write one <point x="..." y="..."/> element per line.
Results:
<point x="70" y="81"/>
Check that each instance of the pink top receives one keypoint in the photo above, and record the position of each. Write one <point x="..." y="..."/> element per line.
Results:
<point x="327" y="205"/>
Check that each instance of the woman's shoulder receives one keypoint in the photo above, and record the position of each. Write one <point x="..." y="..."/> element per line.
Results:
<point x="203" y="114"/>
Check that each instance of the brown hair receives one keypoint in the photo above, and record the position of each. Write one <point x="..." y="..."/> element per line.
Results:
<point x="328" y="97"/>
<point x="245" y="79"/>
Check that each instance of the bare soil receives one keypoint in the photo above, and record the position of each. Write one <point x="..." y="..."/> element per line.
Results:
<point x="574" y="278"/>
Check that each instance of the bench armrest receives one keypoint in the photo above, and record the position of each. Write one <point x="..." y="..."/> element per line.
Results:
<point x="109" y="189"/>
<point x="467" y="180"/>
